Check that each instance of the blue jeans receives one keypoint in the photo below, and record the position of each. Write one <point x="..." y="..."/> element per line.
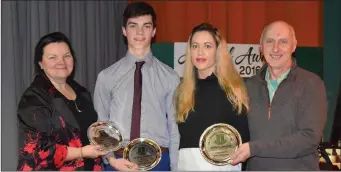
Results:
<point x="164" y="164"/>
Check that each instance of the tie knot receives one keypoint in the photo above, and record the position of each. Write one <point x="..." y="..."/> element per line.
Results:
<point x="139" y="64"/>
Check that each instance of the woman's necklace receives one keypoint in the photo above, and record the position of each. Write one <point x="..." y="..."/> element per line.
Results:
<point x="74" y="101"/>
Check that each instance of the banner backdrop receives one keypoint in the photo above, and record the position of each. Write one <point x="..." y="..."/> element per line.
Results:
<point x="246" y="58"/>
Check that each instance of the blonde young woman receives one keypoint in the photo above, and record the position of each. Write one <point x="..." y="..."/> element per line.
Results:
<point x="211" y="92"/>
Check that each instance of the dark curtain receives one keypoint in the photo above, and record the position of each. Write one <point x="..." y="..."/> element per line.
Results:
<point x="94" y="28"/>
<point x="336" y="129"/>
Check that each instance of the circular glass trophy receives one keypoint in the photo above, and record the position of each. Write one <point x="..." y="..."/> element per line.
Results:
<point x="105" y="134"/>
<point x="144" y="152"/>
<point x="218" y="142"/>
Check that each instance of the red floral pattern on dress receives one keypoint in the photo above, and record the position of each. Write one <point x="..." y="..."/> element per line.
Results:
<point x="98" y="166"/>
<point x="68" y="168"/>
<point x="32" y="143"/>
<point x="62" y="121"/>
<point x="52" y="90"/>
<point x="60" y="155"/>
<point x="44" y="157"/>
<point x="26" y="167"/>
<point x="43" y="163"/>
<point x="30" y="147"/>
<point x="80" y="163"/>
<point x="76" y="142"/>
<point x="43" y="154"/>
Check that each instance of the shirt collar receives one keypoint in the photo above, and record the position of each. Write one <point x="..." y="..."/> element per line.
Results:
<point x="279" y="79"/>
<point x="131" y="59"/>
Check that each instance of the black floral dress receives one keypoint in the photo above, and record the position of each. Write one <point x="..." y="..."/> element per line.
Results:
<point x="49" y="123"/>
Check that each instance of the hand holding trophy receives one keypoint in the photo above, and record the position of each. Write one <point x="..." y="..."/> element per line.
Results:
<point x="144" y="152"/>
<point x="218" y="142"/>
<point x="105" y="134"/>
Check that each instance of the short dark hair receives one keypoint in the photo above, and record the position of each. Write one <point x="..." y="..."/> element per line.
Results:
<point x="136" y="9"/>
<point x="55" y="37"/>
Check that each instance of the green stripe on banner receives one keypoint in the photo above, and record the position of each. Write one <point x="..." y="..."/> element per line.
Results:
<point x="164" y="52"/>
<point x="311" y="59"/>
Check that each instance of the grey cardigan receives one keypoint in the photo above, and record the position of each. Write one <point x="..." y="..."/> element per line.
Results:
<point x="289" y="139"/>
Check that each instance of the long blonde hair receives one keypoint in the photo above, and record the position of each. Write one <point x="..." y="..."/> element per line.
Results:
<point x="228" y="77"/>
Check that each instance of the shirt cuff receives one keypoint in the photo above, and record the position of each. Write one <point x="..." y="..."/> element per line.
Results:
<point x="105" y="157"/>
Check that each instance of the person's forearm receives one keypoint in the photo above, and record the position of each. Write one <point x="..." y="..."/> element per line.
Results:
<point x="74" y="153"/>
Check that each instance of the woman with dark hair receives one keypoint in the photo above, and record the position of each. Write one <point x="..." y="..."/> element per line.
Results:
<point x="55" y="112"/>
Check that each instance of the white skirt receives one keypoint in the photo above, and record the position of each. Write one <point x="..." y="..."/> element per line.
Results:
<point x="190" y="159"/>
